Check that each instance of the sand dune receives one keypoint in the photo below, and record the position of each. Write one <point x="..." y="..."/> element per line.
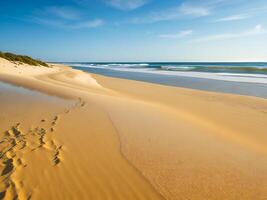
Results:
<point x="119" y="139"/>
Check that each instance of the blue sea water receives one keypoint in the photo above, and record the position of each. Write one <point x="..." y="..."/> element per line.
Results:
<point x="237" y="78"/>
<point x="216" y="67"/>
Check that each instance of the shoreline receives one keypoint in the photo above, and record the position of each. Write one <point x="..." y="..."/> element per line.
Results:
<point x="191" y="137"/>
<point x="204" y="84"/>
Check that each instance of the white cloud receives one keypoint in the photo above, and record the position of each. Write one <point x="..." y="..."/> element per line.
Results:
<point x="63" y="12"/>
<point x="244" y="14"/>
<point x="184" y="10"/>
<point x="88" y="24"/>
<point x="233" y="18"/>
<point x="68" y="25"/>
<point x="64" y="17"/>
<point x="126" y="4"/>
<point x="194" y="10"/>
<point x="181" y="34"/>
<point x="257" y="30"/>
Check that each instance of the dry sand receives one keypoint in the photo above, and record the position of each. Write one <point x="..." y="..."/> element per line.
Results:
<point x="93" y="137"/>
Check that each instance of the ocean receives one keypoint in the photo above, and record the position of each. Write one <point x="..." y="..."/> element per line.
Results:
<point x="245" y="78"/>
<point x="241" y="67"/>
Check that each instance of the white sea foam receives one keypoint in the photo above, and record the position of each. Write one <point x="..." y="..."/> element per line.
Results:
<point x="111" y="65"/>
<point x="177" y="68"/>
<point x="234" y="77"/>
<point x="248" y="78"/>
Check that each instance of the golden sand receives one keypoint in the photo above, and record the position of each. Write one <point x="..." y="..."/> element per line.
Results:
<point x="108" y="138"/>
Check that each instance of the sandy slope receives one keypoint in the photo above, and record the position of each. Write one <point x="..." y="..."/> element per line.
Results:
<point x="121" y="139"/>
<point x="62" y="150"/>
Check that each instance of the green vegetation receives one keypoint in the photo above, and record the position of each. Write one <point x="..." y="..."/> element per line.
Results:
<point x="24" y="59"/>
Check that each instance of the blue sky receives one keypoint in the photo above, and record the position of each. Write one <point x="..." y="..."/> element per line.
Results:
<point x="135" y="30"/>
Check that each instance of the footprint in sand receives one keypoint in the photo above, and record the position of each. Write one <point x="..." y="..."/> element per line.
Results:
<point x="8" y="167"/>
<point x="56" y="152"/>
<point x="80" y="103"/>
<point x="2" y="194"/>
<point x="38" y="134"/>
<point x="54" y="122"/>
<point x="14" y="141"/>
<point x="56" y="158"/>
<point x="83" y="104"/>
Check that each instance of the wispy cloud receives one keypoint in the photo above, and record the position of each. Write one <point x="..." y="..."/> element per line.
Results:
<point x="182" y="11"/>
<point x="181" y="34"/>
<point x="126" y="4"/>
<point x="64" y="17"/>
<point x="233" y="18"/>
<point x="194" y="10"/>
<point x="257" y="30"/>
<point x="243" y="14"/>
<point x="88" y="24"/>
<point x="190" y="9"/>
<point x="63" y="12"/>
<point x="66" y="24"/>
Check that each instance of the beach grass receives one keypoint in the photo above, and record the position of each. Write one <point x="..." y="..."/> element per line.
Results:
<point x="21" y="58"/>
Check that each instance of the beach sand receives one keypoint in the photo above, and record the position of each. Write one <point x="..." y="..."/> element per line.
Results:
<point x="88" y="136"/>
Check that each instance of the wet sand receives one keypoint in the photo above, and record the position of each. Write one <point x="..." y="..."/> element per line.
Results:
<point x="110" y="138"/>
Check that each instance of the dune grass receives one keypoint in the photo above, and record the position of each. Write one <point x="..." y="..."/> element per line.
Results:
<point x="21" y="58"/>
